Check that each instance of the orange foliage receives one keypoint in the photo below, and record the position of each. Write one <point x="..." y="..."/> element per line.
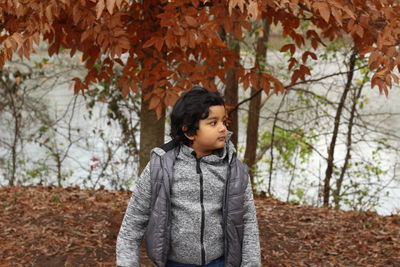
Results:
<point x="169" y="45"/>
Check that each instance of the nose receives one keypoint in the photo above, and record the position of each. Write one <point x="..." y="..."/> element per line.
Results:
<point x="222" y="128"/>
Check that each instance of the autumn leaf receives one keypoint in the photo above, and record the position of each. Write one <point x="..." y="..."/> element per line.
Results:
<point x="99" y="8"/>
<point x="245" y="81"/>
<point x="159" y="110"/>
<point x="154" y="102"/>
<point x="49" y="13"/>
<point x="292" y="63"/>
<point x="119" y="3"/>
<point x="78" y="86"/>
<point x="374" y="57"/>
<point x="337" y="15"/>
<point x="308" y="54"/>
<point x="279" y="88"/>
<point x="323" y="9"/>
<point x="234" y="3"/>
<point x="381" y="73"/>
<point x="18" y="38"/>
<point x="159" y="43"/>
<point x="254" y="80"/>
<point x="287" y="47"/>
<point x="150" y="42"/>
<point x="192" y="22"/>
<point x="391" y="51"/>
<point x="125" y="90"/>
<point x="366" y="50"/>
<point x="253" y="9"/>
<point x="110" y="6"/>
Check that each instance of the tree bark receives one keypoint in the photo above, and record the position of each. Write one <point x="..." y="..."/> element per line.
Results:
<point x="152" y="129"/>
<point x="339" y="182"/>
<point x="231" y="87"/>
<point x="17" y="116"/>
<point x="151" y="132"/>
<point x="254" y="109"/>
<point x="231" y="99"/>
<point x="252" y="134"/>
<point x="331" y="151"/>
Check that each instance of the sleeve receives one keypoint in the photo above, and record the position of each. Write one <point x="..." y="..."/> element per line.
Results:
<point x="135" y="222"/>
<point x="251" y="242"/>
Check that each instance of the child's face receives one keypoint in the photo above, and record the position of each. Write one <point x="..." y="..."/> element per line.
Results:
<point x="212" y="132"/>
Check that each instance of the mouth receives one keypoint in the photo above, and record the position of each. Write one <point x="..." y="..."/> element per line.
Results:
<point x="222" y="138"/>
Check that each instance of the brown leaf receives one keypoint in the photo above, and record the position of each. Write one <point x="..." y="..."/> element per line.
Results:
<point x="290" y="47"/>
<point x="159" y="43"/>
<point x="375" y="55"/>
<point x="292" y="63"/>
<point x="308" y="54"/>
<point x="78" y="86"/>
<point x="278" y="87"/>
<point x="18" y="38"/>
<point x="110" y="6"/>
<point x="154" y="102"/>
<point x="99" y="8"/>
<point x="337" y="15"/>
<point x="192" y="22"/>
<point x="391" y="51"/>
<point x="159" y="110"/>
<point x="183" y="41"/>
<point x="246" y="82"/>
<point x="134" y="87"/>
<point x="254" y="80"/>
<point x="253" y="9"/>
<point x="125" y="90"/>
<point x="49" y="13"/>
<point x="366" y="50"/>
<point x="150" y="42"/>
<point x="234" y="3"/>
<point x="323" y="9"/>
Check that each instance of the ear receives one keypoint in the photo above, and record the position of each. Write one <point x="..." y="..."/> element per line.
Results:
<point x="184" y="130"/>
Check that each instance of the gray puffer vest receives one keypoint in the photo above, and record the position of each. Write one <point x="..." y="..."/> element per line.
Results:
<point x="159" y="227"/>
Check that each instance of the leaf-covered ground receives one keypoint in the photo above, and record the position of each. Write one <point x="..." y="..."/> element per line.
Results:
<point x="50" y="226"/>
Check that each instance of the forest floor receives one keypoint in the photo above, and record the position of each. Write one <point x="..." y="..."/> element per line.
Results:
<point x="51" y="226"/>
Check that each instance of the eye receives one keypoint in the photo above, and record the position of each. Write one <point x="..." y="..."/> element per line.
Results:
<point x="213" y="123"/>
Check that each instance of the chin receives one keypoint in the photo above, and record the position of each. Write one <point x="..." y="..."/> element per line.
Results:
<point x="220" y="146"/>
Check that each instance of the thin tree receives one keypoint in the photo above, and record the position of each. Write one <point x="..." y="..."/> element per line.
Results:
<point x="254" y="108"/>
<point x="335" y="132"/>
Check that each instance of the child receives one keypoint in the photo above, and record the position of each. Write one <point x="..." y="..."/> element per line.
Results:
<point x="193" y="202"/>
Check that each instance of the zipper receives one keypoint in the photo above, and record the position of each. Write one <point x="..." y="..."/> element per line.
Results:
<point x="225" y="211"/>
<point x="225" y="207"/>
<point x="203" y="253"/>
<point x="166" y="247"/>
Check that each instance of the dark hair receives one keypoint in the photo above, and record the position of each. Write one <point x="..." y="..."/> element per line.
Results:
<point x="189" y="109"/>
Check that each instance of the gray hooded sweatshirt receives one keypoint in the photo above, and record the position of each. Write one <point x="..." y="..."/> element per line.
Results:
<point x="186" y="245"/>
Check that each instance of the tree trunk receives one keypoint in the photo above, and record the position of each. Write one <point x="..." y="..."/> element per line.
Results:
<point x="231" y="87"/>
<point x="231" y="99"/>
<point x="252" y="133"/>
<point x="17" y="132"/>
<point x="339" y="182"/>
<point x="331" y="151"/>
<point x="59" y="167"/>
<point x="254" y="109"/>
<point x="151" y="132"/>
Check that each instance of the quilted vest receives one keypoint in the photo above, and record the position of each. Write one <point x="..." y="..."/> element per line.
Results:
<point x="157" y="235"/>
